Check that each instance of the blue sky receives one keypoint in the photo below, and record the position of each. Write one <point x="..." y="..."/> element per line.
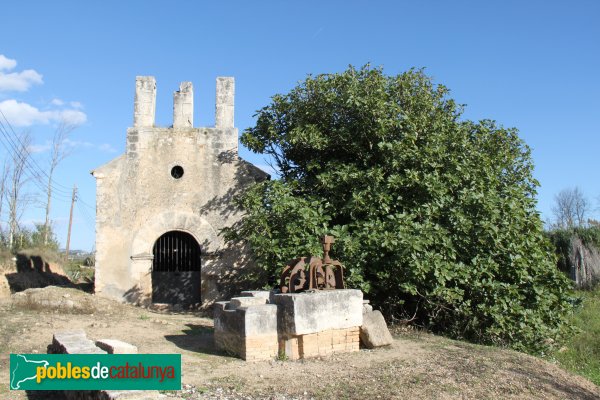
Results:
<point x="532" y="65"/>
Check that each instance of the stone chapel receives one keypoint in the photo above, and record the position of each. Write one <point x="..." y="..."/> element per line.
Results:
<point x="160" y="206"/>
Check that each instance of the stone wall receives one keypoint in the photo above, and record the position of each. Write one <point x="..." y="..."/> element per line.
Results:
<point x="320" y="344"/>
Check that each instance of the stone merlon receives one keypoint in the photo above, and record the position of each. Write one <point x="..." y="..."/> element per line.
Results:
<point x="145" y="101"/>
<point x="224" y="102"/>
<point x="183" y="106"/>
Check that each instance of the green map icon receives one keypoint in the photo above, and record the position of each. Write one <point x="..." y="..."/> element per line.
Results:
<point x="23" y="369"/>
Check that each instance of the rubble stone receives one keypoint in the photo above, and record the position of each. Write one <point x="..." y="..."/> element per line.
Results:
<point x="114" y="346"/>
<point x="374" y="331"/>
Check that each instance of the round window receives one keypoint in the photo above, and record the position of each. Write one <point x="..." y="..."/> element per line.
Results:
<point x="177" y="172"/>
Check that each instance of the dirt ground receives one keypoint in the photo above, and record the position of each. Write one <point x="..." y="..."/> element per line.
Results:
<point x="416" y="366"/>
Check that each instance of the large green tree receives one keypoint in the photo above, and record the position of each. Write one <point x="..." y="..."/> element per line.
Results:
<point x="434" y="215"/>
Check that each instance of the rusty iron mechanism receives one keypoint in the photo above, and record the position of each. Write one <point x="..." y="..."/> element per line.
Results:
<point x="313" y="273"/>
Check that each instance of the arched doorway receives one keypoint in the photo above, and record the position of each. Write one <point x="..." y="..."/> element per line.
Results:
<point x="176" y="269"/>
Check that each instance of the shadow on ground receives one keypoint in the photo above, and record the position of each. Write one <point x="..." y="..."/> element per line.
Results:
<point x="563" y="387"/>
<point x="196" y="338"/>
<point x="45" y="395"/>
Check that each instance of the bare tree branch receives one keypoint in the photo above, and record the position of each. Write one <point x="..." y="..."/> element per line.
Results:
<point x="58" y="152"/>
<point x="3" y="188"/>
<point x="17" y="180"/>
<point x="571" y="208"/>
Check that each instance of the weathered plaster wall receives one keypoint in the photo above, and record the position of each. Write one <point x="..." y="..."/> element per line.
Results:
<point x="138" y="200"/>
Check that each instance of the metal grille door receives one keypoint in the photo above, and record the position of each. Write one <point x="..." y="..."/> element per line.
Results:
<point x="176" y="251"/>
<point x="176" y="269"/>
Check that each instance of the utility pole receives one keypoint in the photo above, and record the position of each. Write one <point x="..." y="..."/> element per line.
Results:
<point x="70" y="222"/>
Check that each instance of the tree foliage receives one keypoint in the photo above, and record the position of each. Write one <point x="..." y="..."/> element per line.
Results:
<point x="434" y="215"/>
<point x="37" y="238"/>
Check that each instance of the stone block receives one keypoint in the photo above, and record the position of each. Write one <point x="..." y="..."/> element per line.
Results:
<point x="290" y="347"/>
<point x="237" y="302"/>
<point x="323" y="343"/>
<point x="249" y="332"/>
<point x="261" y="320"/>
<point x="114" y="346"/>
<point x="73" y="342"/>
<point x="310" y="312"/>
<point x="374" y="331"/>
<point x="263" y="294"/>
<point x="263" y="347"/>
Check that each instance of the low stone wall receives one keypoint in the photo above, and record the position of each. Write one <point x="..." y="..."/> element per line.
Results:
<point x="262" y="325"/>
<point x="321" y="343"/>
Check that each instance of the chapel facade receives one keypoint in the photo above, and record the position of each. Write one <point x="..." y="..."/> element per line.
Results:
<point x="161" y="205"/>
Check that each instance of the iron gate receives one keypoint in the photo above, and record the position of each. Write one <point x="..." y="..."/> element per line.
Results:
<point x="176" y="269"/>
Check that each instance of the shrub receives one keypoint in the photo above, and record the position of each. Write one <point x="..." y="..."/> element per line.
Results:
<point x="434" y="216"/>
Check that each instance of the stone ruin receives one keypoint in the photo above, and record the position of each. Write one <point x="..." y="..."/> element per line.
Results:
<point x="262" y="325"/>
<point x="299" y="321"/>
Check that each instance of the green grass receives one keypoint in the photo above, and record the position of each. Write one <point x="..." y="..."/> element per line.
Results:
<point x="581" y="353"/>
<point x="76" y="271"/>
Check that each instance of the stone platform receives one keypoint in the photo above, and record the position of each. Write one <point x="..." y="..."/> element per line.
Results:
<point x="262" y="325"/>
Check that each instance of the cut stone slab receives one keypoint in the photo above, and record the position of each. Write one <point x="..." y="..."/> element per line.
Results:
<point x="249" y="332"/>
<point x="237" y="302"/>
<point x="73" y="342"/>
<point x="264" y="294"/>
<point x="374" y="331"/>
<point x="251" y="320"/>
<point x="114" y="346"/>
<point x="321" y="310"/>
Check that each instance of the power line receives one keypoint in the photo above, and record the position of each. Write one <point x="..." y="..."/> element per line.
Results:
<point x="86" y="204"/>
<point x="87" y="219"/>
<point x="34" y="168"/>
<point x="35" y="172"/>
<point x="32" y="176"/>
<point x="64" y="188"/>
<point x="84" y="211"/>
<point x="20" y="156"/>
